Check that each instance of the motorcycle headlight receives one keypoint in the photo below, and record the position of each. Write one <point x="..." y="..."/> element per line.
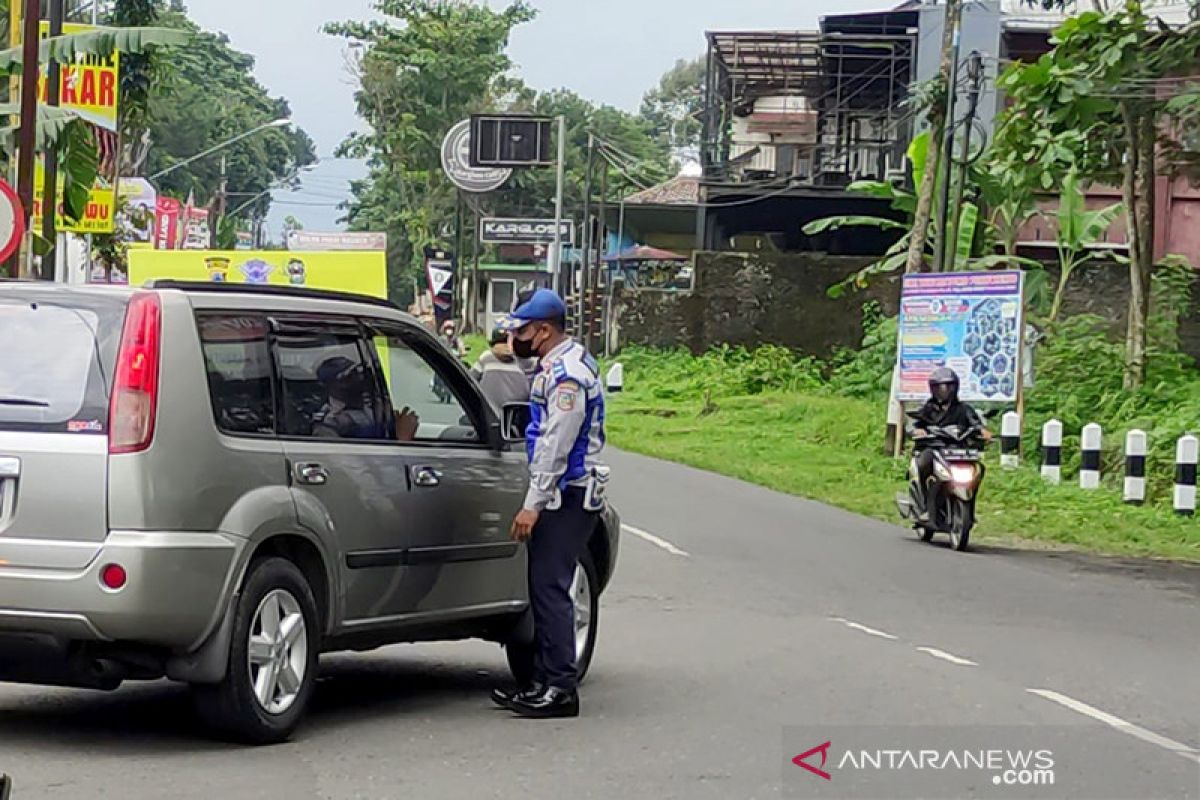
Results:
<point x="939" y="469"/>
<point x="962" y="473"/>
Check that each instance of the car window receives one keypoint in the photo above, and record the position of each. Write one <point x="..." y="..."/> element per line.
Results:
<point x="56" y="376"/>
<point x="237" y="358"/>
<point x="415" y="386"/>
<point x="329" y="386"/>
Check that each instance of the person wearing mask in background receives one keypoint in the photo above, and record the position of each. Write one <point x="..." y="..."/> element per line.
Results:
<point x="500" y="374"/>
<point x="451" y="339"/>
<point x="567" y="483"/>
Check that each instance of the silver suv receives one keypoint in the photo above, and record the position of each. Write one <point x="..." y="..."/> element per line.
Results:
<point x="217" y="483"/>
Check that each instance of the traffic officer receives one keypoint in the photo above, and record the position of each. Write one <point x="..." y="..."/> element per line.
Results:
<point x="567" y="484"/>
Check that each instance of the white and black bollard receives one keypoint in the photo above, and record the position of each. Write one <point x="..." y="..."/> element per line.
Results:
<point x="615" y="382"/>
<point x="1135" y="467"/>
<point x="1089" y="469"/>
<point x="1010" y="440"/>
<point x="1187" y="453"/>
<point x="1052" y="451"/>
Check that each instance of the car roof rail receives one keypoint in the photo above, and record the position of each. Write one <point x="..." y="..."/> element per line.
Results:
<point x="269" y="290"/>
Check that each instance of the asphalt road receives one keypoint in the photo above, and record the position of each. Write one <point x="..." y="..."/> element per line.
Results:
<point x="743" y="628"/>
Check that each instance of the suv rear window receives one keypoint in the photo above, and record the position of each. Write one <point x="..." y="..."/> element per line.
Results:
<point x="57" y="365"/>
<point x="237" y="355"/>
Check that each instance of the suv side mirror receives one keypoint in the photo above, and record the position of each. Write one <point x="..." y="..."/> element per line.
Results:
<point x="515" y="418"/>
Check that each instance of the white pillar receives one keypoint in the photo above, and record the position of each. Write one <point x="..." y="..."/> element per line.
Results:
<point x="1010" y="440"/>
<point x="1187" y="453"/>
<point x="1089" y="471"/>
<point x="615" y="382"/>
<point x="1052" y="434"/>
<point x="1135" y="467"/>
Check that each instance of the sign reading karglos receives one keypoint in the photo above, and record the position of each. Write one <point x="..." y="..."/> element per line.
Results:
<point x="524" y="231"/>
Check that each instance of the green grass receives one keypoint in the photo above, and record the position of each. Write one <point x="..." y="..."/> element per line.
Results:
<point x="828" y="448"/>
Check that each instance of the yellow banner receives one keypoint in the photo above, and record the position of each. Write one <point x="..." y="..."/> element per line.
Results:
<point x="356" y="272"/>
<point x="90" y="86"/>
<point x="98" y="216"/>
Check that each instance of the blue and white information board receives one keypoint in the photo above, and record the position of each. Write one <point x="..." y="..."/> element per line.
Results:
<point x="971" y="322"/>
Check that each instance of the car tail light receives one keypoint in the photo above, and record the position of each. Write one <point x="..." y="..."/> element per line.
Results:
<point x="113" y="576"/>
<point x="134" y="402"/>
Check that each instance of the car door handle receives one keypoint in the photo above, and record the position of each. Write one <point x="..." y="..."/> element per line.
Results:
<point x="312" y="474"/>
<point x="426" y="477"/>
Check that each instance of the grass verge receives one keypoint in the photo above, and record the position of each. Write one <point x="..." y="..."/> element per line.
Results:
<point x="827" y="448"/>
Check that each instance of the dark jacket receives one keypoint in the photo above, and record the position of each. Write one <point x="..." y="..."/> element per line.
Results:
<point x="956" y="413"/>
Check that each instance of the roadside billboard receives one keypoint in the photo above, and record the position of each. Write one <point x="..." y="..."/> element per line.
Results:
<point x="136" y="211"/>
<point x="314" y="241"/>
<point x="98" y="216"/>
<point x="359" y="273"/>
<point x="971" y="322"/>
<point x="89" y="85"/>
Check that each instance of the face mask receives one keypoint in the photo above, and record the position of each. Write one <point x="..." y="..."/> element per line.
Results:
<point x="524" y="348"/>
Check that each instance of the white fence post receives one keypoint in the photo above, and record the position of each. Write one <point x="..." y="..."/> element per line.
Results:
<point x="615" y="382"/>
<point x="1010" y="440"/>
<point x="1187" y="453"/>
<point x="1135" y="467"/>
<point x="1089" y="471"/>
<point x="1052" y="433"/>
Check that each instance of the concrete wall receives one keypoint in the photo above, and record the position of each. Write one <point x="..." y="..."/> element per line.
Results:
<point x="780" y="298"/>
<point x="753" y="298"/>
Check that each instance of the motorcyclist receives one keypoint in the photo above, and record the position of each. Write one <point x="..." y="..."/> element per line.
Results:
<point x="942" y="410"/>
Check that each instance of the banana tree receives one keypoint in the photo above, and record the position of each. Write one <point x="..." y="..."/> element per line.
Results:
<point x="1079" y="231"/>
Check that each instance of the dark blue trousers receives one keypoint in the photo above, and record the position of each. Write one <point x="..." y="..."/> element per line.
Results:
<point x="559" y="539"/>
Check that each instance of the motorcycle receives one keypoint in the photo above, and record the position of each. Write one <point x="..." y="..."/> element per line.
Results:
<point x="952" y="486"/>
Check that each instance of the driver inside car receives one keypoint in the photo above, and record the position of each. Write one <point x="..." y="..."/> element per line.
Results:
<point x="942" y="410"/>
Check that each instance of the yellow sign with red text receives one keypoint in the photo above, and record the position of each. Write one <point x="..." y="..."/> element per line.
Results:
<point x="98" y="214"/>
<point x="90" y="85"/>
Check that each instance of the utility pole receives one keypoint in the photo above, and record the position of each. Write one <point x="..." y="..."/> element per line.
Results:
<point x="27" y="140"/>
<point x="50" y="192"/>
<point x="457" y="280"/>
<point x="555" y="260"/>
<point x="601" y="265"/>
<point x="940" y="239"/>
<point x="925" y="192"/>
<point x="951" y="212"/>
<point x="219" y="206"/>
<point x="581" y="288"/>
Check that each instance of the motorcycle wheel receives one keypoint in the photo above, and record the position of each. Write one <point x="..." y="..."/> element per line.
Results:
<point x="960" y="525"/>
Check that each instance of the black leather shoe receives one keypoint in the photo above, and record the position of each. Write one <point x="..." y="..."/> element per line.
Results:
<point x="551" y="703"/>
<point x="503" y="697"/>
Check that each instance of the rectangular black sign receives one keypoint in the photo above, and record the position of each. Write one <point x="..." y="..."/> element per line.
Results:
<point x="524" y="231"/>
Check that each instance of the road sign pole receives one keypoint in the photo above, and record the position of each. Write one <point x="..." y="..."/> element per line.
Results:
<point x="556" y="252"/>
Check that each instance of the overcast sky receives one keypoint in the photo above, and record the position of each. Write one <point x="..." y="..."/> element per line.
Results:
<point x="610" y="51"/>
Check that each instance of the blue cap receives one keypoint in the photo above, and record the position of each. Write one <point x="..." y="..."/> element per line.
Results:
<point x="544" y="306"/>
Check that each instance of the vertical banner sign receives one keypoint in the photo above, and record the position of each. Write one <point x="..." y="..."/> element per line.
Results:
<point x="971" y="322"/>
<point x="166" y="223"/>
<point x="439" y="268"/>
<point x="88" y="86"/>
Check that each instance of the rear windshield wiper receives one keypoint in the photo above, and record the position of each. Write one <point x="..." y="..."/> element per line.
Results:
<point x="23" y="401"/>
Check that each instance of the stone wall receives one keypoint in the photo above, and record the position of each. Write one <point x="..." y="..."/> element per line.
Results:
<point x="780" y="298"/>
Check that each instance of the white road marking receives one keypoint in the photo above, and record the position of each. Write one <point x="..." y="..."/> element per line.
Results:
<point x="1190" y="753"/>
<point x="858" y="626"/>
<point x="944" y="656"/>
<point x="656" y="541"/>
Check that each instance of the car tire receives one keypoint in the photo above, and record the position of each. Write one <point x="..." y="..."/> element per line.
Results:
<point x="233" y="708"/>
<point x="521" y="657"/>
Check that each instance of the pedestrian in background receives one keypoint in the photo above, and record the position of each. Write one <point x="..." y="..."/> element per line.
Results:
<point x="567" y="484"/>
<point x="500" y="373"/>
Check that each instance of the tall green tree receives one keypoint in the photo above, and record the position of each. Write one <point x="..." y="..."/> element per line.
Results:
<point x="672" y="109"/>
<point x="425" y="67"/>
<point x="1100" y="104"/>
<point x="207" y="95"/>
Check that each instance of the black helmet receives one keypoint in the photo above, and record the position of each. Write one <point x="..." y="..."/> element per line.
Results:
<point x="943" y="385"/>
